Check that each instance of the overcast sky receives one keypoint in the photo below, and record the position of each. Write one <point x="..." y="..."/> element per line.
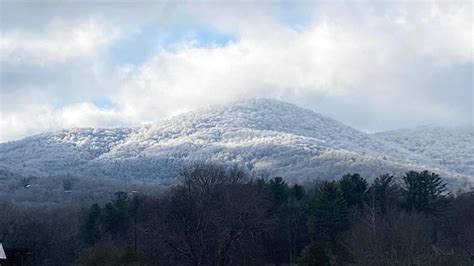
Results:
<point x="373" y="65"/>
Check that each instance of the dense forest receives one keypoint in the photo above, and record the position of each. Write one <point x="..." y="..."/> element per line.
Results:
<point x="221" y="216"/>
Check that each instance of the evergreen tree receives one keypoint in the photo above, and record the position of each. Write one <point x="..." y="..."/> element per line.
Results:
<point x="314" y="255"/>
<point x="425" y="192"/>
<point x="295" y="216"/>
<point x="117" y="214"/>
<point x="278" y="190"/>
<point x="329" y="214"/>
<point x="91" y="229"/>
<point x="384" y="192"/>
<point x="354" y="188"/>
<point x="297" y="192"/>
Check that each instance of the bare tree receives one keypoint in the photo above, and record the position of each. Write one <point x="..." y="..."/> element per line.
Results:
<point x="213" y="218"/>
<point x="399" y="238"/>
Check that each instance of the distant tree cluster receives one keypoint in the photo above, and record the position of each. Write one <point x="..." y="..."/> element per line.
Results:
<point x="222" y="216"/>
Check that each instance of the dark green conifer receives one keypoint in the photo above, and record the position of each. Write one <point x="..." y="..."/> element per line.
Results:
<point x="329" y="214"/>
<point x="354" y="188"/>
<point x="425" y="192"/>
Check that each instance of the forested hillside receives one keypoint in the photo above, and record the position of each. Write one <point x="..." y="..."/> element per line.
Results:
<point x="449" y="147"/>
<point x="223" y="216"/>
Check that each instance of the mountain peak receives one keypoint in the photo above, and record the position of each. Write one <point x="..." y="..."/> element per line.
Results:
<point x="268" y="102"/>
<point x="257" y="114"/>
<point x="259" y="134"/>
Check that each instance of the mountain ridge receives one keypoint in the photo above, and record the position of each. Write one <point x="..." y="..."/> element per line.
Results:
<point x="257" y="134"/>
<point x="447" y="146"/>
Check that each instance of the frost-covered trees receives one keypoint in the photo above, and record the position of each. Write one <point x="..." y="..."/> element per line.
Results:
<point x="261" y="135"/>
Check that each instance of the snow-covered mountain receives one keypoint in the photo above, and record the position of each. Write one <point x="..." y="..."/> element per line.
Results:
<point x="452" y="147"/>
<point x="260" y="135"/>
<point x="50" y="153"/>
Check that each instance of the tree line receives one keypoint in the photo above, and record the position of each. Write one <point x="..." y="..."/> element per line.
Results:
<point x="223" y="216"/>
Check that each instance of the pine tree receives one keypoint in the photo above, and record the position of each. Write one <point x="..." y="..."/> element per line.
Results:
<point x="295" y="217"/>
<point x="91" y="231"/>
<point x="384" y="192"/>
<point x="278" y="190"/>
<point x="296" y="192"/>
<point x="117" y="214"/>
<point x="314" y="255"/>
<point x="425" y="192"/>
<point x="354" y="188"/>
<point x="329" y="214"/>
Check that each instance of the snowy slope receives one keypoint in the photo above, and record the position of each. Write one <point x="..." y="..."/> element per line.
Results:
<point x="57" y="152"/>
<point x="260" y="135"/>
<point x="452" y="148"/>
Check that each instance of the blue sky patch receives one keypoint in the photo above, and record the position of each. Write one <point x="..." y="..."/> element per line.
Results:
<point x="103" y="103"/>
<point x="136" y="48"/>
<point x="296" y="16"/>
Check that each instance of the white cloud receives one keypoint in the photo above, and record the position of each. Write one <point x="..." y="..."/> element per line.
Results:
<point x="59" y="43"/>
<point x="373" y="65"/>
<point x="368" y="57"/>
<point x="36" y="119"/>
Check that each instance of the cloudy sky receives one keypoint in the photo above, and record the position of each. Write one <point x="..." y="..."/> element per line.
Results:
<point x="373" y="65"/>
